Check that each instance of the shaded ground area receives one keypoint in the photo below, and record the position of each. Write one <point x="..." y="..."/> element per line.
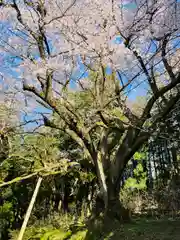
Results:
<point x="141" y="229"/>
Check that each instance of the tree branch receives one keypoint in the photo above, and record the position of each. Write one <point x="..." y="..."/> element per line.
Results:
<point x="165" y="62"/>
<point x="160" y="93"/>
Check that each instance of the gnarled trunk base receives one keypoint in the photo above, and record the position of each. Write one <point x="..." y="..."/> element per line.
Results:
<point x="105" y="221"/>
<point x="114" y="210"/>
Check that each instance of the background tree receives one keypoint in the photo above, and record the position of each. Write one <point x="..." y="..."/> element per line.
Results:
<point x="62" y="191"/>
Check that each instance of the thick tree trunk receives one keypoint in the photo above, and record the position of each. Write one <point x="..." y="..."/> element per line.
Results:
<point x="109" y="178"/>
<point x="116" y="211"/>
<point x="113" y="209"/>
<point x="108" y="201"/>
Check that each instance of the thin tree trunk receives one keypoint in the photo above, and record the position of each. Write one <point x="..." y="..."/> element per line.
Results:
<point x="29" y="210"/>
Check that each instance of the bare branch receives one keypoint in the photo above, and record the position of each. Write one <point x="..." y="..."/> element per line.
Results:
<point x="166" y="64"/>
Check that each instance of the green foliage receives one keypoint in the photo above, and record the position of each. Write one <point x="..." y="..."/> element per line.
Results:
<point x="139" y="155"/>
<point x="53" y="235"/>
<point x="6" y="217"/>
<point x="138" y="181"/>
<point x="139" y="229"/>
<point x="133" y="185"/>
<point x="56" y="227"/>
<point x="80" y="235"/>
<point x="42" y="233"/>
<point x="117" y="112"/>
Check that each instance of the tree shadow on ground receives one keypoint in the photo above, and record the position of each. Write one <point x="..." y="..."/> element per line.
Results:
<point x="138" y="229"/>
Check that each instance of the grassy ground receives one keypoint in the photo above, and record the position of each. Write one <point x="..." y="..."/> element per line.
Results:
<point x="145" y="229"/>
<point x="140" y="229"/>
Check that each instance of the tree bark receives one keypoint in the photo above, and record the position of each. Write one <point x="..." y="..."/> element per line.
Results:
<point x="108" y="202"/>
<point x="115" y="209"/>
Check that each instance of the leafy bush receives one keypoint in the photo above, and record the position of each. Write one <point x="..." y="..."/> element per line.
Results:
<point x="80" y="235"/>
<point x="56" y="227"/>
<point x="42" y="233"/>
<point x="6" y="218"/>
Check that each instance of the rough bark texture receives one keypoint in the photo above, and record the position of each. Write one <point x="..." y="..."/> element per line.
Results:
<point x="117" y="212"/>
<point x="114" y="209"/>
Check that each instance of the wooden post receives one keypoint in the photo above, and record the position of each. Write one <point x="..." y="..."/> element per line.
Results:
<point x="29" y="210"/>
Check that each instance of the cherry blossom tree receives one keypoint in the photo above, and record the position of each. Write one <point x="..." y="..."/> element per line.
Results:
<point x="45" y="43"/>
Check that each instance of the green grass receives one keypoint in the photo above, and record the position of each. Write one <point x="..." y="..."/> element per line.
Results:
<point x="139" y="229"/>
<point x="145" y="229"/>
